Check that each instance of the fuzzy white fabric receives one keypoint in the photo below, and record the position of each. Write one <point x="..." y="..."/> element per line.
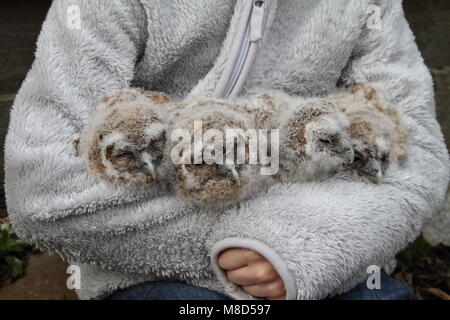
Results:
<point x="326" y="234"/>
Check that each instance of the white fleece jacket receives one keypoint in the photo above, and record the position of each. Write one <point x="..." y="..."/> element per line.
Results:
<point x="321" y="237"/>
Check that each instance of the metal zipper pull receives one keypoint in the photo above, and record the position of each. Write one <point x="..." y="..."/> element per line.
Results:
<point x="257" y="19"/>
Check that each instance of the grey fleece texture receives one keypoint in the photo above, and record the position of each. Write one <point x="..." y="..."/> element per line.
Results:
<point x="326" y="234"/>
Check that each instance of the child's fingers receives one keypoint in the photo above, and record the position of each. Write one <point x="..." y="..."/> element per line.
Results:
<point x="236" y="258"/>
<point x="256" y="272"/>
<point x="273" y="289"/>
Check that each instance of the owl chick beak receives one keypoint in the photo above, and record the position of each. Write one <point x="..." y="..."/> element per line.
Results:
<point x="147" y="160"/>
<point x="373" y="170"/>
<point x="234" y="175"/>
<point x="348" y="154"/>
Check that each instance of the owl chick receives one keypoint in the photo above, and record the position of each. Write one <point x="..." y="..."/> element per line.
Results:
<point x="377" y="135"/>
<point x="314" y="140"/>
<point x="124" y="141"/>
<point x="212" y="181"/>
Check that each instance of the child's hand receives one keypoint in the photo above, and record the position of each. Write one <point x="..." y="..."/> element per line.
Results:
<point x="253" y="272"/>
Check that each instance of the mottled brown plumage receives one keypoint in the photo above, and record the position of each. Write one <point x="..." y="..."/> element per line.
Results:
<point x="378" y="137"/>
<point x="124" y="142"/>
<point x="211" y="183"/>
<point x="314" y="140"/>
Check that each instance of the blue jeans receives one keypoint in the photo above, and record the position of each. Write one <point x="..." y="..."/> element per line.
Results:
<point x="390" y="290"/>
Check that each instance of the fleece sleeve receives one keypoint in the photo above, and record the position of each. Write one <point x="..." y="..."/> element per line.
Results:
<point x="85" y="50"/>
<point x="322" y="237"/>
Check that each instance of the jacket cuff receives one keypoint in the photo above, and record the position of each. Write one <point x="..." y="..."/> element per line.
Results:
<point x="267" y="252"/>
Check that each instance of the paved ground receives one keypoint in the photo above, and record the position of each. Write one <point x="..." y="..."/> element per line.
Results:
<point x="45" y="279"/>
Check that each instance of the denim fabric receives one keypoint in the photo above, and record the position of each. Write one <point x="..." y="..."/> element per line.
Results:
<point x="390" y="290"/>
<point x="166" y="291"/>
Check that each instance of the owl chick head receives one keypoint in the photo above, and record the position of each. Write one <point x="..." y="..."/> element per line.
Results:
<point x="319" y="130"/>
<point x="375" y="142"/>
<point x="216" y="179"/>
<point x="377" y="135"/>
<point x="124" y="142"/>
<point x="327" y="137"/>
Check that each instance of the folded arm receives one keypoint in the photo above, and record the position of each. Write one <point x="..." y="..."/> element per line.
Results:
<point x="87" y="49"/>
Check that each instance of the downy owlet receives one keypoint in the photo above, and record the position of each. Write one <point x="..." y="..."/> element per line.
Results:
<point x="124" y="141"/>
<point x="314" y="140"/>
<point x="212" y="181"/>
<point x="378" y="137"/>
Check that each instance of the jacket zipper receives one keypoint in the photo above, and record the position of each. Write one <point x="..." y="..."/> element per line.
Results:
<point x="243" y="51"/>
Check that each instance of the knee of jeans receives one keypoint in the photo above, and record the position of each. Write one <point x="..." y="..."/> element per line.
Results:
<point x="184" y="291"/>
<point x="393" y="289"/>
<point x="390" y="289"/>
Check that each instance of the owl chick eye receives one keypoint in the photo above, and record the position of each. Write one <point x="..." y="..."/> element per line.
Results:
<point x="358" y="156"/>
<point x="123" y="155"/>
<point x="201" y="165"/>
<point x="325" y="141"/>
<point x="158" y="140"/>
